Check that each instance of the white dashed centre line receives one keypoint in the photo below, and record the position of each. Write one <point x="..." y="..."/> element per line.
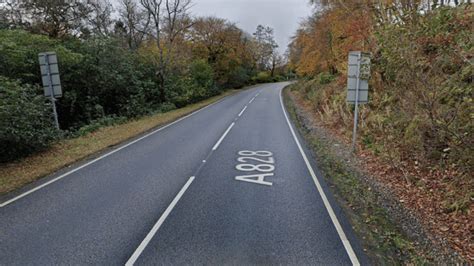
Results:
<point x="158" y="224"/>
<point x="223" y="136"/>
<point x="243" y="110"/>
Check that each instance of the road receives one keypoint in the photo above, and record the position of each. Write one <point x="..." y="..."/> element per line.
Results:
<point x="232" y="183"/>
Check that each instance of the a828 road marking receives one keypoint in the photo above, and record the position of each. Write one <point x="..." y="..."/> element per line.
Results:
<point x="261" y="162"/>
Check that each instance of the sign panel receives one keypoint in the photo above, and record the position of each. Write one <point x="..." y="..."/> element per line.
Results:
<point x="50" y="74"/>
<point x="358" y="74"/>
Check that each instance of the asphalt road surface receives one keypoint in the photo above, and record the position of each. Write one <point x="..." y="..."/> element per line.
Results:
<point x="232" y="183"/>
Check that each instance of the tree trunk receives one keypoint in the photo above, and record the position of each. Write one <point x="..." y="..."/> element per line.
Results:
<point x="161" y="82"/>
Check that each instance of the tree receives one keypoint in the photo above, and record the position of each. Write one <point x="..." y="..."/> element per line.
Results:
<point x="134" y="22"/>
<point x="211" y="36"/>
<point x="265" y="47"/>
<point x="225" y="47"/>
<point x="12" y="14"/>
<point x="4" y="23"/>
<point x="324" y="39"/>
<point x="277" y="61"/>
<point x="169" y="19"/>
<point x="56" y="18"/>
<point x="100" y="17"/>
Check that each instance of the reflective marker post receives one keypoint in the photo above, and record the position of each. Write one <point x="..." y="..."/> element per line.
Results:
<point x="357" y="85"/>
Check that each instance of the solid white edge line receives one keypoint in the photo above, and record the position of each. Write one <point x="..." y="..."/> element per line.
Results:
<point x="243" y="110"/>
<point x="103" y="156"/>
<point x="223" y="136"/>
<point x="335" y="221"/>
<point x="158" y="224"/>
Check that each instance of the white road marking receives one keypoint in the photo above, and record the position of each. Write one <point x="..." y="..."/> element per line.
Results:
<point x="243" y="110"/>
<point x="254" y="98"/>
<point x="223" y="136"/>
<point x="335" y="221"/>
<point x="101" y="157"/>
<point x="263" y="168"/>
<point x="256" y="179"/>
<point x="158" y="224"/>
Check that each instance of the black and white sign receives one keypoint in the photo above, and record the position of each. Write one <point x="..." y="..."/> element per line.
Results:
<point x="358" y="74"/>
<point x="50" y="74"/>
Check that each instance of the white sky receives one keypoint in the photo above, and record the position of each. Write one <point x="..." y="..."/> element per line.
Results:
<point x="282" y="15"/>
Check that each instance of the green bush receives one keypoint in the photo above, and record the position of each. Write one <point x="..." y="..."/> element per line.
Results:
<point x="102" y="122"/>
<point x="202" y="75"/>
<point x="238" y="78"/>
<point x="193" y="86"/>
<point x="325" y="78"/>
<point x="99" y="77"/>
<point x="26" y="122"/>
<point x="107" y="75"/>
<point x="166" y="107"/>
<point x="262" y="77"/>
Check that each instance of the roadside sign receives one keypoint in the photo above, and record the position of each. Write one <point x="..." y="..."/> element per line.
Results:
<point x="50" y="74"/>
<point x="50" y="77"/>
<point x="358" y="74"/>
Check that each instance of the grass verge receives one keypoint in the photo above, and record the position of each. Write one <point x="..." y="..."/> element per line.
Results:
<point x="382" y="238"/>
<point x="65" y="152"/>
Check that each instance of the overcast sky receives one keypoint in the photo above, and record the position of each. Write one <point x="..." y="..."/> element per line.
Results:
<point x="282" y="15"/>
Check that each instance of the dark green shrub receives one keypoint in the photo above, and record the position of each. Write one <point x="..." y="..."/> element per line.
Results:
<point x="195" y="85"/>
<point x="102" y="122"/>
<point x="325" y="78"/>
<point x="166" y="107"/>
<point x="238" y="78"/>
<point x="26" y="122"/>
<point x="262" y="77"/>
<point x="202" y="75"/>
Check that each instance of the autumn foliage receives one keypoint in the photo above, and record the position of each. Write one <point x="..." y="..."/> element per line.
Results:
<point x="324" y="40"/>
<point x="419" y="119"/>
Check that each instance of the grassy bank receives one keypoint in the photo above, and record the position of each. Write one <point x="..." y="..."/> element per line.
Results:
<point x="415" y="135"/>
<point x="374" y="215"/>
<point x="65" y="152"/>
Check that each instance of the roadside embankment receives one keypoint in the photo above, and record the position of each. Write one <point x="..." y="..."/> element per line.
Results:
<point x="373" y="194"/>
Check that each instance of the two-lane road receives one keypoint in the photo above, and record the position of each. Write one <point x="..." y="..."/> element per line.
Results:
<point x="229" y="184"/>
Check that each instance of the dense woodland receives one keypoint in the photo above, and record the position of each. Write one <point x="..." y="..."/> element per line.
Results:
<point x="420" y="116"/>
<point x="140" y="58"/>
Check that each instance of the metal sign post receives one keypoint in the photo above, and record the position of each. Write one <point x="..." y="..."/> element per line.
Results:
<point x="51" y="82"/>
<point x="357" y="85"/>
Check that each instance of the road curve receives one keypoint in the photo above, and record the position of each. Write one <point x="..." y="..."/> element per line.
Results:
<point x="230" y="184"/>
